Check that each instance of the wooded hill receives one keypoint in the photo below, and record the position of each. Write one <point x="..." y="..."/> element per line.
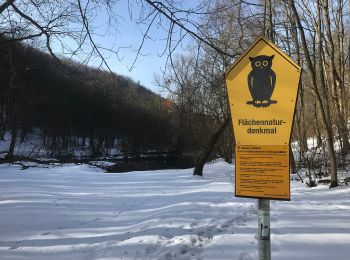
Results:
<point x="75" y="105"/>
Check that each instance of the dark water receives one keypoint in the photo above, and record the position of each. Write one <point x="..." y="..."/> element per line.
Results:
<point x="151" y="164"/>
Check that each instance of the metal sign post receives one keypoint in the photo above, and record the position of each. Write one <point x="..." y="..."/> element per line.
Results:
<point x="264" y="229"/>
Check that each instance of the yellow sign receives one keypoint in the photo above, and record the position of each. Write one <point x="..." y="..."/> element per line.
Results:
<point x="262" y="171"/>
<point x="262" y="87"/>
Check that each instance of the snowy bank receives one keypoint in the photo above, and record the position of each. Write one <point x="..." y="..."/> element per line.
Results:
<point x="79" y="212"/>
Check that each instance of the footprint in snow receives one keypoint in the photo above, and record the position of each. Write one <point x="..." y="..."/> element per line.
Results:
<point x="245" y="256"/>
<point x="16" y="245"/>
<point x="227" y="224"/>
<point x="278" y="232"/>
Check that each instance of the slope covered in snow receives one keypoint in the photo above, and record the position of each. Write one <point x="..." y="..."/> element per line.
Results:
<point x="77" y="212"/>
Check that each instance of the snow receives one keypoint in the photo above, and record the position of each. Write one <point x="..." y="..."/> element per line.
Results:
<point x="80" y="212"/>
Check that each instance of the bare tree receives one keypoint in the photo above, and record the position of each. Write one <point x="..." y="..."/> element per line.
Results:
<point x="323" y="108"/>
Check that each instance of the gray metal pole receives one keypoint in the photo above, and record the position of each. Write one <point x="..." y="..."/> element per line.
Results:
<point x="264" y="229"/>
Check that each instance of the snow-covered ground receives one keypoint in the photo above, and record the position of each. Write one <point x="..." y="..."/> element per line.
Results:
<point x="77" y="212"/>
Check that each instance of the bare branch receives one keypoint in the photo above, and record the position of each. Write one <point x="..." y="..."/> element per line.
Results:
<point x="42" y="29"/>
<point x="161" y="8"/>
<point x="5" y="5"/>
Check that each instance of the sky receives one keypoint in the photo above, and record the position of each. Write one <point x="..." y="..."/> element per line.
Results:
<point x="129" y="36"/>
<point x="126" y="36"/>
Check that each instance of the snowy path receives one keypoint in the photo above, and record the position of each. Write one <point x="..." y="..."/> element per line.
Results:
<point x="76" y="212"/>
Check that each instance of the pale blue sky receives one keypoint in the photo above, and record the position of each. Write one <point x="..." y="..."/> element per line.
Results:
<point x="126" y="37"/>
<point x="130" y="34"/>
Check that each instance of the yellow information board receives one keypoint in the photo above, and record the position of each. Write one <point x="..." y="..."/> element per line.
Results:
<point x="262" y="171"/>
<point x="262" y="87"/>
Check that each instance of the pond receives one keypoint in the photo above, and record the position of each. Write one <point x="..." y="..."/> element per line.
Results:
<point x="151" y="164"/>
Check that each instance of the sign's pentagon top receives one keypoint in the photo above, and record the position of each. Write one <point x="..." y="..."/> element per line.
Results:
<point x="262" y="88"/>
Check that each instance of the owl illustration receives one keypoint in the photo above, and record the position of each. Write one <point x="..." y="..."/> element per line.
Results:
<point x="261" y="81"/>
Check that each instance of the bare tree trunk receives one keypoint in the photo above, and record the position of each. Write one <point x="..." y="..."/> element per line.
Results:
<point x="14" y="126"/>
<point x="2" y="120"/>
<point x="326" y="123"/>
<point x="198" y="170"/>
<point x="14" y="132"/>
<point x="292" y="161"/>
<point x="229" y="144"/>
<point x="336" y="79"/>
<point x="300" y="114"/>
<point x="92" y="146"/>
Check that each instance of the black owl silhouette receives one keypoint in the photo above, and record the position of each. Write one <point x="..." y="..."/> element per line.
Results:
<point x="261" y="81"/>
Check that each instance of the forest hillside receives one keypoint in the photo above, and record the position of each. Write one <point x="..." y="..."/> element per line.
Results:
<point x="71" y="106"/>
